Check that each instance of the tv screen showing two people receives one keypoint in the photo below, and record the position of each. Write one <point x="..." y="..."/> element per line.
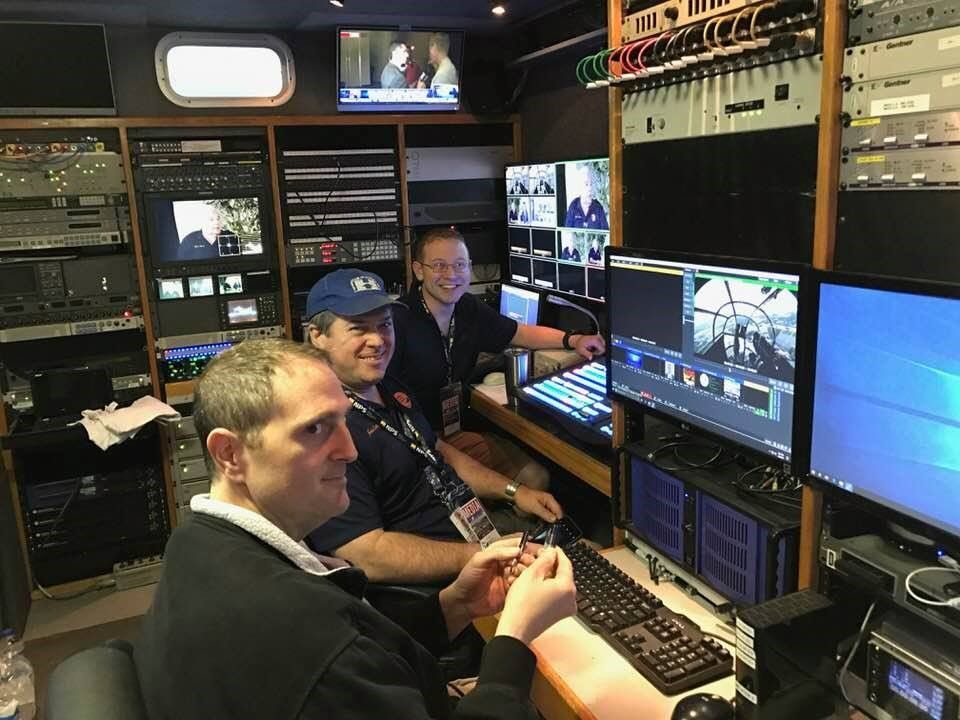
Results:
<point x="395" y="68"/>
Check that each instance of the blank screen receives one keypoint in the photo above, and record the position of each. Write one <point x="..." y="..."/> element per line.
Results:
<point x="49" y="66"/>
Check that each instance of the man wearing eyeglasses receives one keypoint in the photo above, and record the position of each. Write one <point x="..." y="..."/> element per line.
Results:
<point x="440" y="331"/>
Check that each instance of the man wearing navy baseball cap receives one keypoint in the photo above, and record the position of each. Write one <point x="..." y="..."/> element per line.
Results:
<point x="413" y="498"/>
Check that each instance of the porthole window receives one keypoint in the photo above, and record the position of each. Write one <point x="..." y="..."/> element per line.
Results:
<point x="224" y="69"/>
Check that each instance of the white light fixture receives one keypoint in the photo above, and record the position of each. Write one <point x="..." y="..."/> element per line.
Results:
<point x="337" y="3"/>
<point x="498" y="8"/>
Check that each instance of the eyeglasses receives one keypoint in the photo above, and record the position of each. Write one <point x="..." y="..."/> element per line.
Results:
<point x="440" y="267"/>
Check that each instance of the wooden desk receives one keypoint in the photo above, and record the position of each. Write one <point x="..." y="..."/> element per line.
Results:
<point x="580" y="676"/>
<point x="489" y="402"/>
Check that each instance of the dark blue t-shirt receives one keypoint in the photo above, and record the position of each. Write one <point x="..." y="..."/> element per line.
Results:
<point x="385" y="483"/>
<point x="194" y="246"/>
<point x="418" y="358"/>
<point x="595" y="218"/>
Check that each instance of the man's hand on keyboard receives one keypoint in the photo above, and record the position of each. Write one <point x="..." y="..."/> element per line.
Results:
<point x="539" y="503"/>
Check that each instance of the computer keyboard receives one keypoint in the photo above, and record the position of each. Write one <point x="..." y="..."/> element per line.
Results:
<point x="667" y="648"/>
<point x="577" y="393"/>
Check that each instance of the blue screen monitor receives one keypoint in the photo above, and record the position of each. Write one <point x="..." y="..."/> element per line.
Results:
<point x="710" y="342"/>
<point x="886" y="395"/>
<point x="519" y="304"/>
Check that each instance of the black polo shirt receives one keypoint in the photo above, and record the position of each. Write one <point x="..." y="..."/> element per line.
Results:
<point x="418" y="358"/>
<point x="385" y="483"/>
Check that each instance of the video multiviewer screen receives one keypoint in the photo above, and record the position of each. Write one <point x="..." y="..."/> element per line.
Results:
<point x="885" y="424"/>
<point x="714" y="346"/>
<point x="210" y="230"/>
<point x="558" y="220"/>
<point x="391" y="70"/>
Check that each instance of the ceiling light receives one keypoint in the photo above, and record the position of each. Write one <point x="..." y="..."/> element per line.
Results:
<point x="498" y="8"/>
<point x="337" y="3"/>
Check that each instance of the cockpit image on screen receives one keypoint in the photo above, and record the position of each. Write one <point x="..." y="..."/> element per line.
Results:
<point x="715" y="345"/>
<point x="746" y="324"/>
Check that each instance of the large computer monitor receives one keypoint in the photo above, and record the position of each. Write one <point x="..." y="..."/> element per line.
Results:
<point x="886" y="395"/>
<point x="558" y="225"/>
<point x="710" y="342"/>
<point x="520" y="304"/>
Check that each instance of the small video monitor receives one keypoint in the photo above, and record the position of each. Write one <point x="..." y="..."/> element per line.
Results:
<point x="586" y="194"/>
<point x="596" y="284"/>
<point x="200" y="286"/>
<point x="543" y="211"/>
<point x="518" y="180"/>
<point x="545" y="274"/>
<point x="520" y="304"/>
<point x="230" y="284"/>
<point x="544" y="243"/>
<point x="187" y="231"/>
<point x="571" y="279"/>
<point x="242" y="312"/>
<point x="520" y="211"/>
<point x="542" y="179"/>
<point x="519" y="239"/>
<point x="170" y="289"/>
<point x="520" y="270"/>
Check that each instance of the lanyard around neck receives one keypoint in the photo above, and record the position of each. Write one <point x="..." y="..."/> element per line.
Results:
<point x="410" y="436"/>
<point x="446" y="343"/>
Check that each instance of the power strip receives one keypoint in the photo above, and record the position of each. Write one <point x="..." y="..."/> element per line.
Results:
<point x="141" y="571"/>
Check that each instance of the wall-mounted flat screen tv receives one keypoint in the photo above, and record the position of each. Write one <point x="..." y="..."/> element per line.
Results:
<point x="392" y="70"/>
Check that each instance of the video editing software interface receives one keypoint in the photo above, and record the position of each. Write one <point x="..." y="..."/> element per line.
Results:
<point x="520" y="304"/>
<point x="558" y="224"/>
<point x="578" y="394"/>
<point x="713" y="346"/>
<point x="390" y="70"/>
<point x="886" y="405"/>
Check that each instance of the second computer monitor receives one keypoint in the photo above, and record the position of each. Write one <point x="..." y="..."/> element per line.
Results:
<point x="886" y="405"/>
<point x="711" y="342"/>
<point x="519" y="304"/>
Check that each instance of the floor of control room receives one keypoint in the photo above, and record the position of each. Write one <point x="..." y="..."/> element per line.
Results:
<point x="58" y="629"/>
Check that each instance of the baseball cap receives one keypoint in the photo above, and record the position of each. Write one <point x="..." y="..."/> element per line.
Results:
<point x="348" y="292"/>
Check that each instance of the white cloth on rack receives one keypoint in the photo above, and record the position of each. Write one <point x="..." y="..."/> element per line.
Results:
<point x="112" y="425"/>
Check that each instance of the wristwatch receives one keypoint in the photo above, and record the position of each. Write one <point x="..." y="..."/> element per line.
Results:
<point x="569" y="334"/>
<point x="511" y="490"/>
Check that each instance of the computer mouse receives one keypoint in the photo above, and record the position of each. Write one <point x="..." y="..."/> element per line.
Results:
<point x="703" y="706"/>
<point x="494" y="378"/>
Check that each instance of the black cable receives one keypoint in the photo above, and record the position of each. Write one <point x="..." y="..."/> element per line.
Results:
<point x="683" y="465"/>
<point x="70" y="499"/>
